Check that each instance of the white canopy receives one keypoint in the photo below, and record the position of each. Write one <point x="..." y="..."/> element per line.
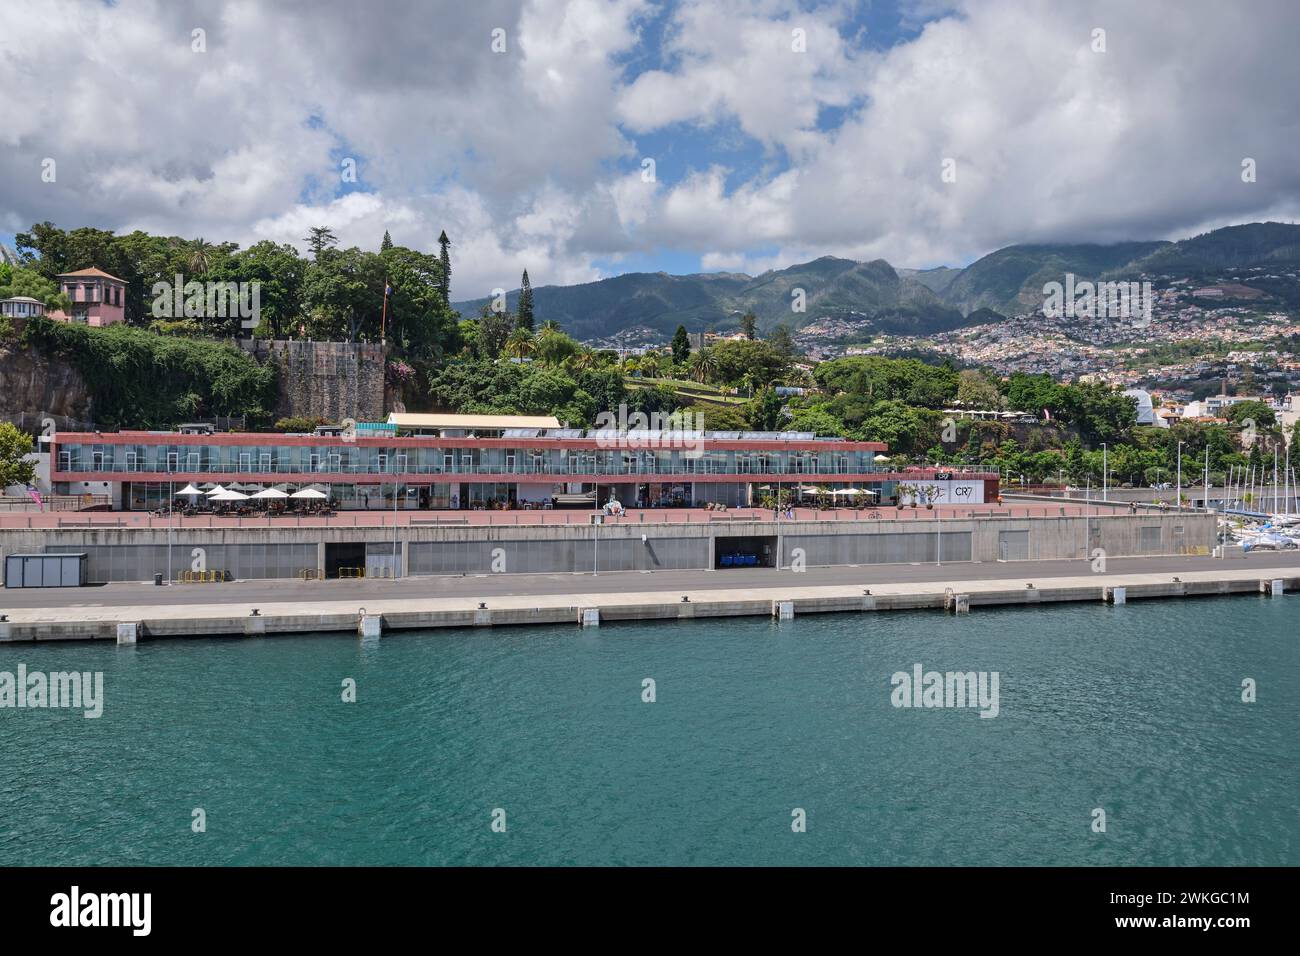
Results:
<point x="227" y="495"/>
<point x="271" y="493"/>
<point x="309" y="493"/>
<point x="188" y="490"/>
<point x="214" y="490"/>
<point x="879" y="459"/>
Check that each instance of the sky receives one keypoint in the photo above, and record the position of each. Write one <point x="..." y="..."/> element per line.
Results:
<point x="586" y="138"/>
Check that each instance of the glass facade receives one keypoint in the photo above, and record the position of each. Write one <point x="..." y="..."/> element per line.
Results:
<point x="303" y="461"/>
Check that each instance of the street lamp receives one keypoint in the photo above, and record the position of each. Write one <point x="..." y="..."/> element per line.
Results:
<point x="1104" y="488"/>
<point x="1178" y="493"/>
<point x="171" y="499"/>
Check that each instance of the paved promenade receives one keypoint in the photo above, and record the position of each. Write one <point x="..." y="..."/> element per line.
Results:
<point x="387" y="519"/>
<point x="428" y="602"/>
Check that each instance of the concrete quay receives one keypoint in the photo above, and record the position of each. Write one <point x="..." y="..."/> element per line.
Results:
<point x="128" y="623"/>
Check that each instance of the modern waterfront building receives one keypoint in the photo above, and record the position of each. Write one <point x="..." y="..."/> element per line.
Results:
<point x="97" y="298"/>
<point x="491" y="462"/>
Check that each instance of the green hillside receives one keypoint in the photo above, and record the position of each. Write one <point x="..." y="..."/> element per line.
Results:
<point x="898" y="301"/>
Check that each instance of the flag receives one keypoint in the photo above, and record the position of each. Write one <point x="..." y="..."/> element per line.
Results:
<point x="35" y="496"/>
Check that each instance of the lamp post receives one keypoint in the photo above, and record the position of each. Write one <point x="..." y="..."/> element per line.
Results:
<point x="1206" y="482"/>
<point x="397" y="554"/>
<point x="171" y="488"/>
<point x="1178" y="493"/>
<point x="1105" y="491"/>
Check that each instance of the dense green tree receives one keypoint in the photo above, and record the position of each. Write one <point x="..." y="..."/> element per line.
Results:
<point x="749" y="325"/>
<point x="782" y="341"/>
<point x="29" y="282"/>
<point x="758" y="361"/>
<point x="281" y="274"/>
<point x="1257" y="412"/>
<point x="520" y="343"/>
<point x="419" y="321"/>
<point x="15" y="446"/>
<point x="978" y="390"/>
<point x="343" y="295"/>
<point x="525" y="303"/>
<point x="494" y="329"/>
<point x="386" y="243"/>
<point x="139" y="380"/>
<point x="877" y="378"/>
<point x="444" y="257"/>
<point x="319" y="239"/>
<point x="764" y="412"/>
<point x="553" y="347"/>
<point x="681" y="345"/>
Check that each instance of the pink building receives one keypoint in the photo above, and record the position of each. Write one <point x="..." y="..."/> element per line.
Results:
<point x="97" y="297"/>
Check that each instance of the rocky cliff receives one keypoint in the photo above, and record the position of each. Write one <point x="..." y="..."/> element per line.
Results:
<point x="33" y="385"/>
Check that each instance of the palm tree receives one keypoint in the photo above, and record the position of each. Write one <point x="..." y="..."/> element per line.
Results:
<point x="200" y="255"/>
<point x="585" y="359"/>
<point x="702" y="366"/>
<point x="520" y="344"/>
<point x="649" y="365"/>
<point x="550" y="325"/>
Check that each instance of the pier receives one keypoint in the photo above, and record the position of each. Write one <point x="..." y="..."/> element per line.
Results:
<point x="370" y="608"/>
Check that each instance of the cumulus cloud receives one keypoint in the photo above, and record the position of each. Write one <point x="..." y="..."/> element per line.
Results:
<point x="530" y="157"/>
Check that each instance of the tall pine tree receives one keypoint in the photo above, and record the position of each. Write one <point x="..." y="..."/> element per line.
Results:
<point x="681" y="346"/>
<point x="387" y="243"/>
<point x="445" y="258"/>
<point x="525" y="303"/>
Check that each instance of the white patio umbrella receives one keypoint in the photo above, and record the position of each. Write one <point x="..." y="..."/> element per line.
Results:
<point x="188" y="490"/>
<point x="272" y="493"/>
<point x="309" y="493"/>
<point x="880" y="459"/>
<point x="214" y="490"/>
<point x="227" y="495"/>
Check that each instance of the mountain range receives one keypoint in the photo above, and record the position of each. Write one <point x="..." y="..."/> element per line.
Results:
<point x="888" y="299"/>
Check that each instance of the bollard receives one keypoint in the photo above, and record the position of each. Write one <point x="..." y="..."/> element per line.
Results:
<point x="127" y="633"/>
<point x="783" y="610"/>
<point x="589" y="617"/>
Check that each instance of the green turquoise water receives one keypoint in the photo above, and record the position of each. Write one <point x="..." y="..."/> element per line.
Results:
<point x="1136" y="710"/>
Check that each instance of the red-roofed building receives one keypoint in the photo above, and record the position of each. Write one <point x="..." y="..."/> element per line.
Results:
<point x="98" y="298"/>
